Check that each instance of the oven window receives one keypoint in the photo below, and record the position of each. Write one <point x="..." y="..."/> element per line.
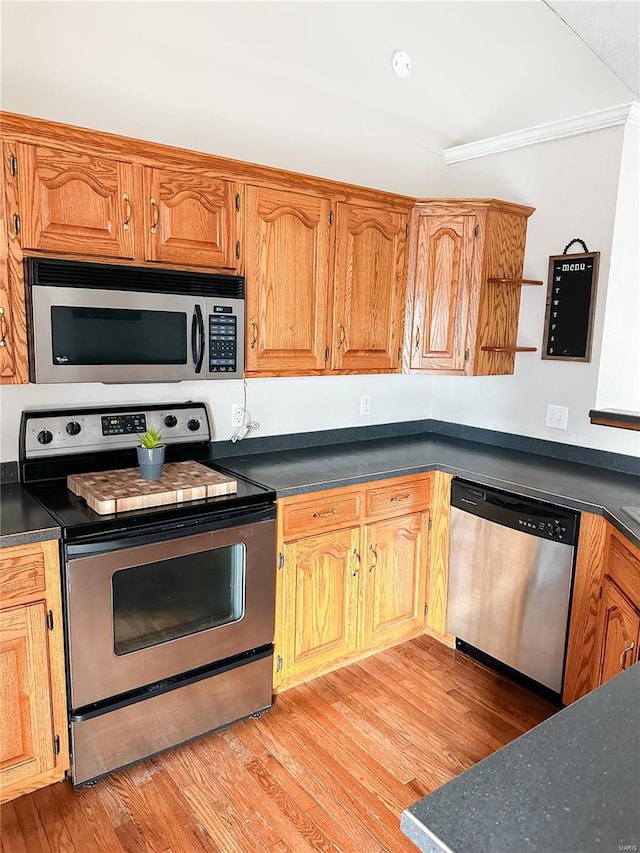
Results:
<point x="174" y="598"/>
<point x="118" y="336"/>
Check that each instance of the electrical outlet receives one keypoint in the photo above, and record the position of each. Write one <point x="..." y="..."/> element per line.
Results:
<point x="365" y="404"/>
<point x="557" y="416"/>
<point x="237" y="416"/>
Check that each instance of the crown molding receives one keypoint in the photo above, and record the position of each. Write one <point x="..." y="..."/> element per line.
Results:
<point x="598" y="120"/>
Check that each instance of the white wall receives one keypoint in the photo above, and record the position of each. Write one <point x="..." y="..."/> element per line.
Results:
<point x="285" y="405"/>
<point x="619" y="377"/>
<point x="573" y="185"/>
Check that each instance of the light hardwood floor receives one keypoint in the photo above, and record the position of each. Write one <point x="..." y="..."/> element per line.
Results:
<point x="330" y="767"/>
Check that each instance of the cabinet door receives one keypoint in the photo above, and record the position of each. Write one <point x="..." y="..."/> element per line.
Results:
<point x="7" y="354"/>
<point x="619" y="632"/>
<point x="442" y="273"/>
<point x="369" y="289"/>
<point x="321" y="601"/>
<point x="190" y="219"/>
<point x="26" y="734"/>
<point x="287" y="269"/>
<point x="75" y="202"/>
<point x="394" y="573"/>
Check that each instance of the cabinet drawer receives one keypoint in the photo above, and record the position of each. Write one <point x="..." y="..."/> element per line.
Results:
<point x="321" y="513"/>
<point x="397" y="497"/>
<point x="21" y="573"/>
<point x="623" y="566"/>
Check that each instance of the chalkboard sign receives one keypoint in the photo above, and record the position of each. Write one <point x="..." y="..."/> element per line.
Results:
<point x="571" y="299"/>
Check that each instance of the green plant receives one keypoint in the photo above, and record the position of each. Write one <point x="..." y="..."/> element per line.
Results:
<point x="150" y="439"/>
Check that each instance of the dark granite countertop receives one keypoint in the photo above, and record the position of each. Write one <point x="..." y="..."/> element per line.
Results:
<point x="570" y="785"/>
<point x="568" y="484"/>
<point x="22" y="519"/>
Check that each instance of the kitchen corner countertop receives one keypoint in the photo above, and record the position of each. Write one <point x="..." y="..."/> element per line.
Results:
<point x="22" y="519"/>
<point x="570" y="784"/>
<point x="569" y="484"/>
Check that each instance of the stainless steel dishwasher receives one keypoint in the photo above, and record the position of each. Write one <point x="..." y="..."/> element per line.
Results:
<point x="511" y="565"/>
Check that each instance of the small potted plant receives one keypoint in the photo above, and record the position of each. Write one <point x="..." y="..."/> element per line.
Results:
<point x="150" y="454"/>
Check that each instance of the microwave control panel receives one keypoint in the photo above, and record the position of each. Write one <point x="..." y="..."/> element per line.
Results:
<point x="223" y="340"/>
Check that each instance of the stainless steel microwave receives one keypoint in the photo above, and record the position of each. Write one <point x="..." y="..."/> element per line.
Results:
<point x="113" y="323"/>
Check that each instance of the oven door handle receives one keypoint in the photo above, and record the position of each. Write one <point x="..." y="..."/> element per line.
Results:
<point x="197" y="338"/>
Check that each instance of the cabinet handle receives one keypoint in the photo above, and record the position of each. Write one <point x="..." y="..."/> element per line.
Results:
<point x="156" y="214"/>
<point x="342" y="335"/>
<point x="357" y="556"/>
<point x="254" y="339"/>
<point x="324" y="514"/>
<point x="3" y="328"/>
<point x="127" y="211"/>
<point x="399" y="498"/>
<point x="623" y="656"/>
<point x="417" y="337"/>
<point x="375" y="558"/>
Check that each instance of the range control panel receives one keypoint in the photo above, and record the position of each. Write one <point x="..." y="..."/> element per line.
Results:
<point x="58" y="432"/>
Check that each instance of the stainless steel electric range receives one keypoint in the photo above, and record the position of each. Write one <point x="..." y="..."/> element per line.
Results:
<point x="169" y="611"/>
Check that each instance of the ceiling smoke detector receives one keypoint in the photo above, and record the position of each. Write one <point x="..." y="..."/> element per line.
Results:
<point x="401" y="64"/>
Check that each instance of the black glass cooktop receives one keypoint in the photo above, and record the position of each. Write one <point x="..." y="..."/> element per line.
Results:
<point x="77" y="520"/>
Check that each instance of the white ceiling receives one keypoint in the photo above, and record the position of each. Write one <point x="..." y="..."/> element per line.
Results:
<point x="308" y="85"/>
<point x="611" y="30"/>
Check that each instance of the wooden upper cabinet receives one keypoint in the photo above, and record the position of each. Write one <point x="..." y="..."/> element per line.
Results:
<point x="465" y="279"/>
<point x="369" y="289"/>
<point x="190" y="218"/>
<point x="75" y="202"/>
<point x="7" y="351"/>
<point x="287" y="272"/>
<point x="445" y="249"/>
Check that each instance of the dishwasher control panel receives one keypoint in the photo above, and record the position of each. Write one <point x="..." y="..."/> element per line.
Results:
<point x="537" y="518"/>
<point x="556" y="528"/>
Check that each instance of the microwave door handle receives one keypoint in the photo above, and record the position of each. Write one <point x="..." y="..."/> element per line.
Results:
<point x="197" y="338"/>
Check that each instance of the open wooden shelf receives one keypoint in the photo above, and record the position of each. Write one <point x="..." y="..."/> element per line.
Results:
<point x="509" y="349"/>
<point x="518" y="281"/>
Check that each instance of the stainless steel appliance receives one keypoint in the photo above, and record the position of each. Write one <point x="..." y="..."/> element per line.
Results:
<point x="113" y="323"/>
<point x="511" y="563"/>
<point x="169" y="611"/>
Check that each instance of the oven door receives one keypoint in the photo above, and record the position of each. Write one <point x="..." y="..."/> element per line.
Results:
<point x="141" y="613"/>
<point x="91" y="335"/>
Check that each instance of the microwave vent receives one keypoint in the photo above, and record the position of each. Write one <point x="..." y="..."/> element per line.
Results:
<point x="49" y="271"/>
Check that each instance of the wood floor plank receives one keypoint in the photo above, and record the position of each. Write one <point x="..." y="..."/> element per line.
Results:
<point x="33" y="829"/>
<point x="53" y="820"/>
<point x="11" y="836"/>
<point x="329" y="768"/>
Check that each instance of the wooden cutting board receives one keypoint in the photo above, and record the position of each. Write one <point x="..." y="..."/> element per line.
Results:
<point x="123" y="489"/>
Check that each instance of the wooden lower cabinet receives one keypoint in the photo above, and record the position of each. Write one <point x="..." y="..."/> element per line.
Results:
<point x="323" y="595"/>
<point x="618" y="632"/>
<point x="604" y="630"/>
<point x="393" y="580"/>
<point x="33" y="735"/>
<point x="352" y="574"/>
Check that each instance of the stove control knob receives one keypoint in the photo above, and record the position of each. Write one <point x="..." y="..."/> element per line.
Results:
<point x="170" y="421"/>
<point x="556" y="530"/>
<point x="193" y="425"/>
<point x="73" y="428"/>
<point x="45" y="437"/>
